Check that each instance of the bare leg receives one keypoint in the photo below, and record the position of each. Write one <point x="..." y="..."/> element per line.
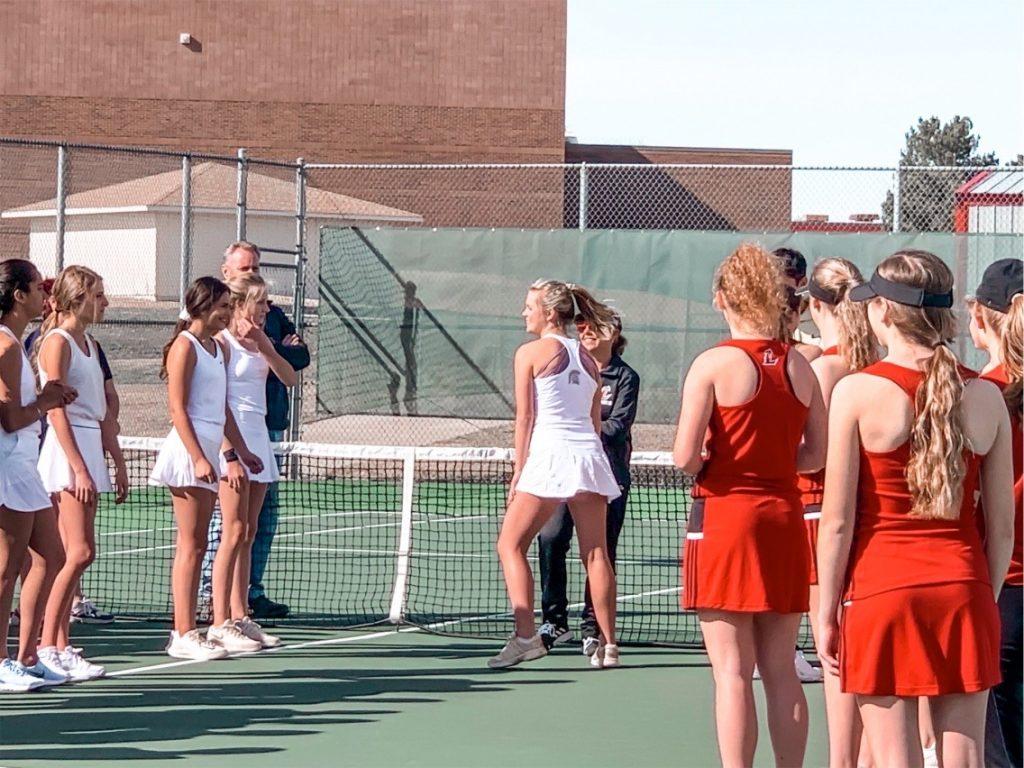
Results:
<point x="774" y="638"/>
<point x="77" y="526"/>
<point x="240" y="586"/>
<point x="234" y="511"/>
<point x="46" y="561"/>
<point x="844" y="727"/>
<point x="959" y="723"/>
<point x="524" y="518"/>
<point x="890" y="723"/>
<point x="588" y="512"/>
<point x="192" y="510"/>
<point x="729" y="639"/>
<point x="15" y="531"/>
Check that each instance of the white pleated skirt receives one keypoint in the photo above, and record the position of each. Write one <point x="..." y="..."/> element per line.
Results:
<point x="174" y="468"/>
<point x="55" y="469"/>
<point x="21" y="487"/>
<point x="253" y="427"/>
<point x="561" y="465"/>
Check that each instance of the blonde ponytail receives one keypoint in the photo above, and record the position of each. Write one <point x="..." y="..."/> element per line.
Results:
<point x="856" y="341"/>
<point x="1011" y="350"/>
<point x="937" y="468"/>
<point x="571" y="302"/>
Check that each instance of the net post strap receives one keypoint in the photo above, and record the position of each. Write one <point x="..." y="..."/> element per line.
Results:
<point x="397" y="612"/>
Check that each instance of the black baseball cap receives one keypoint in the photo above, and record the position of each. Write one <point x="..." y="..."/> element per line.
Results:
<point x="1002" y="280"/>
<point x="900" y="293"/>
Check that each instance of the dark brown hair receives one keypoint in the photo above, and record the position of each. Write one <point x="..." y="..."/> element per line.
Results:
<point x="201" y="296"/>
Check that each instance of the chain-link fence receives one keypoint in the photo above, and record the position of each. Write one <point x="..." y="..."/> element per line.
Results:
<point x="150" y="221"/>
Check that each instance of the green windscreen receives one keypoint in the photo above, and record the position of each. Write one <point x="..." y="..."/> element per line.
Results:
<point x="425" y="321"/>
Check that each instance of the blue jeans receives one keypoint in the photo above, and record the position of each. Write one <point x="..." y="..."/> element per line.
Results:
<point x="265" y="530"/>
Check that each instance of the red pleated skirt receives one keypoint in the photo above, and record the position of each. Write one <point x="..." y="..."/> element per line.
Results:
<point x="921" y="641"/>
<point x="746" y="553"/>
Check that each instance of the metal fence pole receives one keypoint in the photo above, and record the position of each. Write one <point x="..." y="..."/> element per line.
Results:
<point x="186" y="228"/>
<point x="240" y="193"/>
<point x="583" y="195"/>
<point x="896" y="200"/>
<point x="62" y="198"/>
<point x="299" y="292"/>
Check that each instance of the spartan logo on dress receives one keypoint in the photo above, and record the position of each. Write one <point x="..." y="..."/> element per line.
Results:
<point x="769" y="358"/>
<point x="574" y="377"/>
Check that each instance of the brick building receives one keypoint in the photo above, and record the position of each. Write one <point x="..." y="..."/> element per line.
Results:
<point x="342" y="81"/>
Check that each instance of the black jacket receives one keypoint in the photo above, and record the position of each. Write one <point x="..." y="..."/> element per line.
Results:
<point x="277" y="326"/>
<point x="620" y="390"/>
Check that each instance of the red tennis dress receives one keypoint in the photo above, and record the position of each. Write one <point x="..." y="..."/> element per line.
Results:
<point x="1015" y="576"/>
<point x="746" y="549"/>
<point x="919" y="617"/>
<point x="812" y="489"/>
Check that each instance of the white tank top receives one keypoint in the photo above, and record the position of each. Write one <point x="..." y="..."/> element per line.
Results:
<point x="247" y="378"/>
<point x="86" y="376"/>
<point x="208" y="390"/>
<point x="564" y="400"/>
<point x="28" y="386"/>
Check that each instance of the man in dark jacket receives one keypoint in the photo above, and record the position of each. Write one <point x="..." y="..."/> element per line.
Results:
<point x="241" y="258"/>
<point x="620" y="389"/>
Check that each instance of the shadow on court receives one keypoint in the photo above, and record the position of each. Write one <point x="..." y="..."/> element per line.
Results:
<point x="365" y="699"/>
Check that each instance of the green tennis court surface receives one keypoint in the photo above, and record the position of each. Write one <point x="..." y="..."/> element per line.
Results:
<point x="373" y="698"/>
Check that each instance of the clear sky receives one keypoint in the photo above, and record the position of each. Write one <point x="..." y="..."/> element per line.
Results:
<point x="839" y="83"/>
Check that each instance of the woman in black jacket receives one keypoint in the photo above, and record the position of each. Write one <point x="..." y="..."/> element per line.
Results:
<point x="620" y="388"/>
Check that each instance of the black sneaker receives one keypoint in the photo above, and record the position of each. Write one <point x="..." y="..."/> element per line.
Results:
<point x="265" y="608"/>
<point x="553" y="634"/>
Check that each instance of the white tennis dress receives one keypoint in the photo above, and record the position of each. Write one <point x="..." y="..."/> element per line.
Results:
<point x="207" y="395"/>
<point x="247" y="399"/>
<point x="85" y="414"/>
<point x="21" y="488"/>
<point x="565" y="454"/>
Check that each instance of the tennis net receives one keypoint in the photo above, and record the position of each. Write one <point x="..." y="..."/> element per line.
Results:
<point x="370" y="534"/>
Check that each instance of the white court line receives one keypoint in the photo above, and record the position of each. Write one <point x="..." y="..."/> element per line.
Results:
<point x="367" y="636"/>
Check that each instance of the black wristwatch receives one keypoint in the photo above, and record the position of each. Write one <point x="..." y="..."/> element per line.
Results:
<point x="230" y="455"/>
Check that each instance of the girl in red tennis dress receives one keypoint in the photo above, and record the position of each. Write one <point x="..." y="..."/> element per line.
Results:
<point x="751" y="418"/>
<point x="848" y="347"/>
<point x="912" y="441"/>
<point x="997" y="327"/>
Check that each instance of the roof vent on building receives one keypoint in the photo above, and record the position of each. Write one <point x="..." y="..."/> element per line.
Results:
<point x="185" y="38"/>
<point x="864" y="217"/>
<point x="820" y="218"/>
<point x="571" y="139"/>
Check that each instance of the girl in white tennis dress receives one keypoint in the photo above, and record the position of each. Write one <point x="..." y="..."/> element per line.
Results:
<point x="189" y="459"/>
<point x="251" y="358"/>
<point x="72" y="462"/>
<point x="559" y="458"/>
<point x="25" y="510"/>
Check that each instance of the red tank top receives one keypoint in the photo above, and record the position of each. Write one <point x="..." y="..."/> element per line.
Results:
<point x="812" y="486"/>
<point x="752" y="447"/>
<point x="1015" y="576"/>
<point x="891" y="549"/>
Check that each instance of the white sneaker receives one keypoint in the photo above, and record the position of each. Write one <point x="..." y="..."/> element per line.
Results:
<point x="192" y="645"/>
<point x="14" y="678"/>
<point x="611" y="656"/>
<point x="254" y="631"/>
<point x="804" y="670"/>
<point x="597" y="657"/>
<point x="47" y="676"/>
<point x="516" y="650"/>
<point x="590" y="646"/>
<point x="77" y="667"/>
<point x="230" y="638"/>
<point x="49" y="657"/>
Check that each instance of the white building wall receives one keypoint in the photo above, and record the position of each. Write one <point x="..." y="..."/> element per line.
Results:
<point x="213" y="232"/>
<point x="1002" y="219"/>
<point x="120" y="247"/>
